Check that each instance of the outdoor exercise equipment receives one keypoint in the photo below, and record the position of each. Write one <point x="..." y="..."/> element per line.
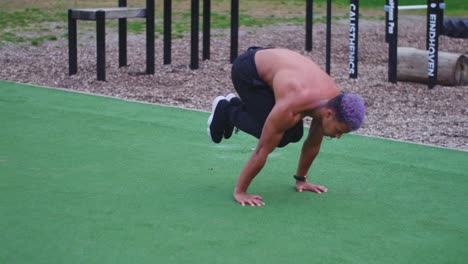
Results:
<point x="434" y="18"/>
<point x="100" y="15"/>
<point x="234" y="32"/>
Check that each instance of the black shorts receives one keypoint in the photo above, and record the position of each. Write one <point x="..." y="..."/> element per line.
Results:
<point x="258" y="99"/>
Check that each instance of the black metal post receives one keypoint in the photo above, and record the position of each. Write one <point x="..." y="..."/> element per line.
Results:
<point x="150" y="36"/>
<point x="101" y="44"/>
<point x="234" y="29"/>
<point x="194" y="34"/>
<point x="206" y="29"/>
<point x="386" y="20"/>
<point x="167" y="31"/>
<point x="432" y="41"/>
<point x="441" y="17"/>
<point x="353" y="38"/>
<point x="72" y="48"/>
<point x="393" y="40"/>
<point x="122" y="37"/>
<point x="309" y="21"/>
<point x="427" y="24"/>
<point x="328" y="44"/>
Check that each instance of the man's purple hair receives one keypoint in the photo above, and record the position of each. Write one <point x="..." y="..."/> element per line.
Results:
<point x="349" y="109"/>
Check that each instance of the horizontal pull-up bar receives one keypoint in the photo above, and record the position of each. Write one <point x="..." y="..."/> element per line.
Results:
<point x="413" y="7"/>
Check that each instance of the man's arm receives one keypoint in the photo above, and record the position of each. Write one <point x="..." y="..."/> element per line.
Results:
<point x="310" y="150"/>
<point x="278" y="121"/>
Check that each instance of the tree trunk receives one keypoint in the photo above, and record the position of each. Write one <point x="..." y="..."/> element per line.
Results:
<point x="452" y="69"/>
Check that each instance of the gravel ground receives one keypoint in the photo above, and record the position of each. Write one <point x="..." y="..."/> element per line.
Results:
<point x="402" y="111"/>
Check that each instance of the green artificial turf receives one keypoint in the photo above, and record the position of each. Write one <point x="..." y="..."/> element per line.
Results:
<point x="88" y="179"/>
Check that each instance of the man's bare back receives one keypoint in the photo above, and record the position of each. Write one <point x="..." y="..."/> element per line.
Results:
<point x="290" y="74"/>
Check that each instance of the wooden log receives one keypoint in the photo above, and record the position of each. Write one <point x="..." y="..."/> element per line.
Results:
<point x="412" y="67"/>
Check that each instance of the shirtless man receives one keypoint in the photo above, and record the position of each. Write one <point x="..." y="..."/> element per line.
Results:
<point x="277" y="89"/>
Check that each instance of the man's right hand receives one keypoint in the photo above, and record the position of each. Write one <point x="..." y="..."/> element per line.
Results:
<point x="252" y="199"/>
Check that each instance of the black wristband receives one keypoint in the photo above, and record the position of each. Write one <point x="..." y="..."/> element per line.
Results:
<point x="300" y="178"/>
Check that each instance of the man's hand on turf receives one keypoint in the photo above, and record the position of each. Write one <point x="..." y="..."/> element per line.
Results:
<point x="307" y="186"/>
<point x="250" y="199"/>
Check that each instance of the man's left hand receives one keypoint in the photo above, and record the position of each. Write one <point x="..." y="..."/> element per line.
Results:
<point x="307" y="186"/>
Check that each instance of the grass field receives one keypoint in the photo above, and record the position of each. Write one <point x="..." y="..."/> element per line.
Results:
<point x="34" y="22"/>
<point x="89" y="179"/>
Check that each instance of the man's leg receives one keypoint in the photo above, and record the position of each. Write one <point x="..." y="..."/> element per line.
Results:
<point x="234" y="100"/>
<point x="257" y="100"/>
<point x="292" y="135"/>
<point x="241" y="118"/>
<point x="249" y="115"/>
